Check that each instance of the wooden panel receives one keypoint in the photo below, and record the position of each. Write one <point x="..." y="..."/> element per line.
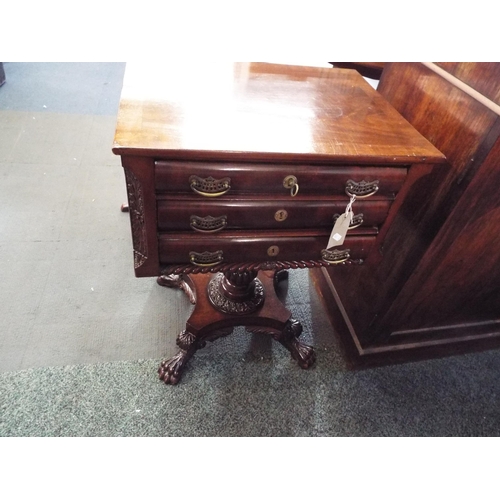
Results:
<point x="258" y="179"/>
<point x="481" y="76"/>
<point x="261" y="111"/>
<point x="454" y="122"/>
<point x="423" y="275"/>
<point x="174" y="213"/>
<point x="461" y="127"/>
<point x="405" y="345"/>
<point x="251" y="247"/>
<point x="459" y="278"/>
<point x="402" y="241"/>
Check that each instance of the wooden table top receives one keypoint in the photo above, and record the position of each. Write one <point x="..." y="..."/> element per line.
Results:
<point x="261" y="112"/>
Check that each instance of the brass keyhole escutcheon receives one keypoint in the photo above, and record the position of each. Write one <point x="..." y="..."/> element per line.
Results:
<point x="273" y="250"/>
<point x="281" y="215"/>
<point x="290" y="182"/>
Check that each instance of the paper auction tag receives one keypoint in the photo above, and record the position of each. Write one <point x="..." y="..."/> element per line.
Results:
<point x="339" y="230"/>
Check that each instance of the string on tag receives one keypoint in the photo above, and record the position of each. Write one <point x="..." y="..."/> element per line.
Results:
<point x="348" y="209"/>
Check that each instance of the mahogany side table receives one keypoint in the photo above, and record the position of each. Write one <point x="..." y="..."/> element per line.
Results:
<point x="237" y="172"/>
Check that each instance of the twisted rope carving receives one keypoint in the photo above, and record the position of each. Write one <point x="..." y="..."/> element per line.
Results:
<point x="252" y="266"/>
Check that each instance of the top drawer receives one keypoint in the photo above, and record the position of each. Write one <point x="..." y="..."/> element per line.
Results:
<point x="215" y="179"/>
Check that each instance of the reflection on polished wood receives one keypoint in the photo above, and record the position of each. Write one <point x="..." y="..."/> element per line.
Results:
<point x="259" y="110"/>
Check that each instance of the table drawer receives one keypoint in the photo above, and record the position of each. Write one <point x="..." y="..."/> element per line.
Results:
<point x="181" y="214"/>
<point x="216" y="179"/>
<point x="237" y="247"/>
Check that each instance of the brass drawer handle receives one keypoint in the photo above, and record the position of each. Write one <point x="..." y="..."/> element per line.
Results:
<point x="361" y="189"/>
<point x="335" y="256"/>
<point x="209" y="186"/>
<point x="208" y="224"/>
<point x="290" y="182"/>
<point x="357" y="220"/>
<point x="206" y="258"/>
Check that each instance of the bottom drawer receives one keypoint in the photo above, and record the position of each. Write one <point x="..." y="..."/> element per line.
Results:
<point x="204" y="251"/>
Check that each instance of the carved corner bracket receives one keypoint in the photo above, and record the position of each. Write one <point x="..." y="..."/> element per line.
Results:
<point x="137" y="219"/>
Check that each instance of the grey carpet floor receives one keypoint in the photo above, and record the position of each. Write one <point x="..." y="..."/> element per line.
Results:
<point x="221" y="395"/>
<point x="81" y="338"/>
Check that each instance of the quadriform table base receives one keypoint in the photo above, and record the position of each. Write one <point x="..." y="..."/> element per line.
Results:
<point x="226" y="300"/>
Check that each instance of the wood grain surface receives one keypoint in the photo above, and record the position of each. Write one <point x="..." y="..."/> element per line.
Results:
<point x="255" y="110"/>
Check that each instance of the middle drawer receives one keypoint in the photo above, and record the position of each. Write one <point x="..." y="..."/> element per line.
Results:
<point x="181" y="214"/>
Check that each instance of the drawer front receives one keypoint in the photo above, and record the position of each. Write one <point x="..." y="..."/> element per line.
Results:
<point x="211" y="180"/>
<point x="218" y="214"/>
<point x="241" y="247"/>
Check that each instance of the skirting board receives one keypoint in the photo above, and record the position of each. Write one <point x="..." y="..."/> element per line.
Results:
<point x="403" y="345"/>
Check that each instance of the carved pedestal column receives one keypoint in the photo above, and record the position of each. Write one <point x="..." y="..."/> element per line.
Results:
<point x="236" y="292"/>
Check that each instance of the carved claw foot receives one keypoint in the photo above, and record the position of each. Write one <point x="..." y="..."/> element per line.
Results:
<point x="177" y="281"/>
<point x="170" y="280"/>
<point x="171" y="370"/>
<point x="288" y="337"/>
<point x="302" y="353"/>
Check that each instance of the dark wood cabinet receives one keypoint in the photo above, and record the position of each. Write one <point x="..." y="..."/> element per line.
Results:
<point x="436" y="283"/>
